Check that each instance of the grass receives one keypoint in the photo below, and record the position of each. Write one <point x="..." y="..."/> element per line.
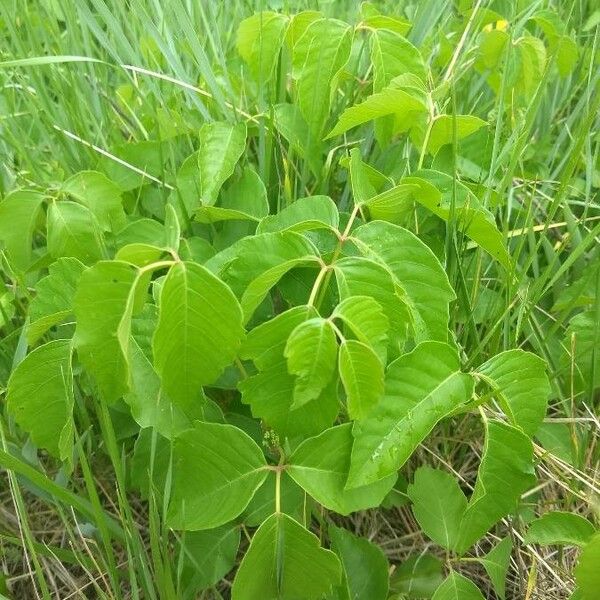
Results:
<point x="150" y="72"/>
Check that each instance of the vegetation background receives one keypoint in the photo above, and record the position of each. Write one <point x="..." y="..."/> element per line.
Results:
<point x="123" y="88"/>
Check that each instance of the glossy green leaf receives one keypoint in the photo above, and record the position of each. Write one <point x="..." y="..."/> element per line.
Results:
<point x="221" y="146"/>
<point x="457" y="587"/>
<point x="421" y="388"/>
<point x="199" y="330"/>
<point x="74" y="231"/>
<point x="416" y="271"/>
<point x="216" y="470"/>
<point x="103" y="306"/>
<point x="285" y="561"/>
<point x="521" y="385"/>
<point x="40" y="397"/>
<point x="19" y="213"/>
<point x="364" y="566"/>
<point x="320" y="466"/>
<point x="560" y="528"/>
<point x="311" y="353"/>
<point x="438" y="505"/>
<point x="505" y="472"/>
<point x="361" y="374"/>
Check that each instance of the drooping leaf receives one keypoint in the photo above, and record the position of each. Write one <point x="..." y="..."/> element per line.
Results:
<point x="416" y="270"/>
<point x="19" y="212"/>
<point x="438" y="504"/>
<point x="220" y="147"/>
<point x="361" y="373"/>
<point x="367" y="321"/>
<point x="74" y="231"/>
<point x="216" y="470"/>
<point x="560" y="528"/>
<point x="54" y="297"/>
<point x="320" y="466"/>
<point x="259" y="40"/>
<point x="421" y="388"/>
<point x="364" y="566"/>
<point x="521" y="385"/>
<point x="40" y="397"/>
<point x="311" y="353"/>
<point x="318" y="56"/>
<point x="285" y="561"/>
<point x="457" y="587"/>
<point x="505" y="472"/>
<point x="587" y="574"/>
<point x="100" y="195"/>
<point x="199" y="330"/>
<point x="103" y="306"/>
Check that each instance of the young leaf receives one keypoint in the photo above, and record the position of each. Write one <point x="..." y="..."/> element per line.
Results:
<point x="199" y="330"/>
<point x="560" y="528"/>
<point x="587" y="574"/>
<point x="421" y="388"/>
<point x="216" y="468"/>
<point x="318" y="57"/>
<point x="521" y="385"/>
<point x="320" y="466"/>
<point x="285" y="561"/>
<point x="40" y="397"/>
<point x="221" y="146"/>
<point x="74" y="231"/>
<point x="19" y="212"/>
<point x="457" y="587"/>
<point x="361" y="373"/>
<point x="438" y="505"/>
<point x="364" y="566"/>
<point x="259" y="40"/>
<point x="505" y="472"/>
<point x="311" y="353"/>
<point x="496" y="563"/>
<point x="416" y="271"/>
<point x="367" y="321"/>
<point x="103" y="306"/>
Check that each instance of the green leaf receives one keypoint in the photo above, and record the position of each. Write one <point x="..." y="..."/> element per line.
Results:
<point x="74" y="231"/>
<point x="393" y="205"/>
<point x="587" y="574"/>
<point x="285" y="561"/>
<point x="367" y="321"/>
<point x="521" y="385"/>
<point x="403" y="104"/>
<point x="199" y="331"/>
<point x="54" y="297"/>
<point x="416" y="271"/>
<point x="361" y="373"/>
<point x="220" y="147"/>
<point x="457" y="587"/>
<point x="448" y="198"/>
<point x="207" y="556"/>
<point x="313" y="212"/>
<point x="103" y="306"/>
<point x="259" y="40"/>
<point x="560" y="528"/>
<point x="421" y="388"/>
<point x="216" y="470"/>
<point x="100" y="195"/>
<point x="418" y="576"/>
<point x="506" y="472"/>
<point x="496" y="563"/>
<point x="445" y="129"/>
<point x="311" y="353"/>
<point x="318" y="57"/>
<point x="19" y="212"/>
<point x="364" y="565"/>
<point x="320" y="466"/>
<point x="40" y="397"/>
<point x="438" y="505"/>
